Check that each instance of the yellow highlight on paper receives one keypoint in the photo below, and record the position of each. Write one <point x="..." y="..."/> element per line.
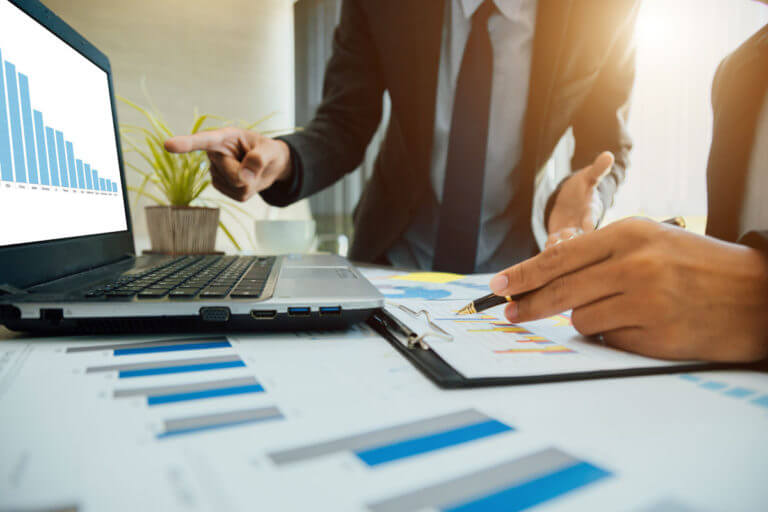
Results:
<point x="429" y="277"/>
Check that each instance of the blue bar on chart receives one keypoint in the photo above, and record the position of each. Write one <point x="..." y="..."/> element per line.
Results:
<point x="114" y="187"/>
<point x="160" y="395"/>
<point x="152" y="347"/>
<point x="95" y="179"/>
<point x="71" y="165"/>
<point x="6" y="167"/>
<point x="29" y="130"/>
<point x="402" y="441"/>
<point x="41" y="154"/>
<point x="52" y="165"/>
<point x="145" y="369"/>
<point x="88" y="177"/>
<point x="15" y="116"/>
<point x="62" y="159"/>
<point x="512" y="486"/>
<point x="219" y="420"/>
<point x="80" y="173"/>
<point x="102" y="184"/>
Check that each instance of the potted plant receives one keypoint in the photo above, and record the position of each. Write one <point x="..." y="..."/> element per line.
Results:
<point x="180" y="222"/>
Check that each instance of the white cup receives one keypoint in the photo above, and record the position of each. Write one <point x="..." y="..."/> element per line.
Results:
<point x="285" y="236"/>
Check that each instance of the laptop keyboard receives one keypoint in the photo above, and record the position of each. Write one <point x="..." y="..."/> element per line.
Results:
<point x="206" y="277"/>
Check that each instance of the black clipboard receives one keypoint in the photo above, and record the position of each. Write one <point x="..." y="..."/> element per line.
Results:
<point x="428" y="362"/>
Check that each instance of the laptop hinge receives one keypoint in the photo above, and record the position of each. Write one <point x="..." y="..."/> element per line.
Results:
<point x="8" y="289"/>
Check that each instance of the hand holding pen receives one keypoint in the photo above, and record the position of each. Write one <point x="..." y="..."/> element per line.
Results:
<point x="492" y="300"/>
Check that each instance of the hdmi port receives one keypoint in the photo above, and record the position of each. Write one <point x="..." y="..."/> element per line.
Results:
<point x="263" y="314"/>
<point x="298" y="311"/>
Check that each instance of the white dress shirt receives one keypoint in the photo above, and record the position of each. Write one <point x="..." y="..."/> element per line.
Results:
<point x="754" y="213"/>
<point x="511" y="30"/>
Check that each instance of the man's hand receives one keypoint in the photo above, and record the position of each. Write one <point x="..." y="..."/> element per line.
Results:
<point x="577" y="207"/>
<point x="650" y="288"/>
<point x="243" y="162"/>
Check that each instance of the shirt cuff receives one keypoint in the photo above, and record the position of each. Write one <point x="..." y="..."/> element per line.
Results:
<point x="542" y="199"/>
<point x="283" y="193"/>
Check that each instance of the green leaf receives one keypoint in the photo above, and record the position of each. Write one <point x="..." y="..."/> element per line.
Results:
<point x="229" y="235"/>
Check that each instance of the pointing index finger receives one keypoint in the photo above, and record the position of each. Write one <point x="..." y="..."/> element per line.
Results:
<point x="202" y="141"/>
<point x="555" y="261"/>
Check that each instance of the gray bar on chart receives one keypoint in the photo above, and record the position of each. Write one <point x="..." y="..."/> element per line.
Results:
<point x="162" y="364"/>
<point x="222" y="418"/>
<point x="380" y="437"/>
<point x="147" y="344"/>
<point x="185" y="388"/>
<point x="480" y="483"/>
<point x="669" y="505"/>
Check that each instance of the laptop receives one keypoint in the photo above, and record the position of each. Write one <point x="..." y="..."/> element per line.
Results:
<point x="67" y="260"/>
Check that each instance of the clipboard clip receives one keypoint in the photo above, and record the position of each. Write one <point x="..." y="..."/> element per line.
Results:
<point x="412" y="338"/>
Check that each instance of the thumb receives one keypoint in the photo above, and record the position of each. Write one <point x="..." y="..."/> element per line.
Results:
<point x="599" y="168"/>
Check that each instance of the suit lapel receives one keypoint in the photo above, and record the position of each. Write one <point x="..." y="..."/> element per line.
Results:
<point x="548" y="45"/>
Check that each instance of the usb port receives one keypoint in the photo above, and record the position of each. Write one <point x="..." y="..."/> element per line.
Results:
<point x="298" y="311"/>
<point x="330" y="310"/>
<point x="263" y="314"/>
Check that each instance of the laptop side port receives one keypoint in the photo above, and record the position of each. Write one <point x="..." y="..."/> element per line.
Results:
<point x="330" y="310"/>
<point x="263" y="314"/>
<point x="215" y="314"/>
<point x="302" y="311"/>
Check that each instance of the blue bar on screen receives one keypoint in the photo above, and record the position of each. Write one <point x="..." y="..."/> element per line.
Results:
<point x="534" y="492"/>
<point x="62" y="159"/>
<point x="6" y="166"/>
<point x="29" y="129"/>
<point x="102" y="184"/>
<point x="114" y="187"/>
<point x="71" y="165"/>
<point x="171" y="348"/>
<point x="95" y="179"/>
<point x="179" y="369"/>
<point x="52" y="165"/>
<point x="42" y="157"/>
<point x="432" y="442"/>
<point x="80" y="173"/>
<point x="15" y="115"/>
<point x="208" y="393"/>
<point x="88" y="177"/>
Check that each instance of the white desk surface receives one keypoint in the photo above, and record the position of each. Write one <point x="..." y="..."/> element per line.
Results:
<point x="667" y="442"/>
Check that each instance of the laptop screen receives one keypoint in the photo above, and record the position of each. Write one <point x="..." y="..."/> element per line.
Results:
<point x="59" y="168"/>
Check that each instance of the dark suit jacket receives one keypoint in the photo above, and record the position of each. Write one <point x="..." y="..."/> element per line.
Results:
<point x="582" y="75"/>
<point x="738" y="92"/>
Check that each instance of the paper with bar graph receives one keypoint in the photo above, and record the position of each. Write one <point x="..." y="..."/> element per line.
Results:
<point x="487" y="345"/>
<point x="341" y="421"/>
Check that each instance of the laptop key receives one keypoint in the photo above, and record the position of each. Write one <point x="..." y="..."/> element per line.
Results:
<point x="245" y="294"/>
<point x="183" y="293"/>
<point x="152" y="294"/>
<point x="214" y="292"/>
<point x="120" y="293"/>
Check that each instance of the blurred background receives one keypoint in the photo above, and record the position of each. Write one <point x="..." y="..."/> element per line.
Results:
<point x="245" y="59"/>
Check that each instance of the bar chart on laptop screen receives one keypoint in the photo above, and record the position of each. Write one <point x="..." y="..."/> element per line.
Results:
<point x="59" y="168"/>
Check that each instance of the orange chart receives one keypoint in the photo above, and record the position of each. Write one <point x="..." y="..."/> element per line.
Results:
<point x="552" y="349"/>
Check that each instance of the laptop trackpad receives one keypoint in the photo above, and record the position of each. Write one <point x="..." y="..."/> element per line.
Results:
<point x="304" y="273"/>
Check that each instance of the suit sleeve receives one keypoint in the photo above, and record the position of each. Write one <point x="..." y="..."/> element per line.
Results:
<point x="334" y="142"/>
<point x="600" y="124"/>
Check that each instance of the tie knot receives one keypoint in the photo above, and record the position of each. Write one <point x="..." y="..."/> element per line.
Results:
<point x="483" y="12"/>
